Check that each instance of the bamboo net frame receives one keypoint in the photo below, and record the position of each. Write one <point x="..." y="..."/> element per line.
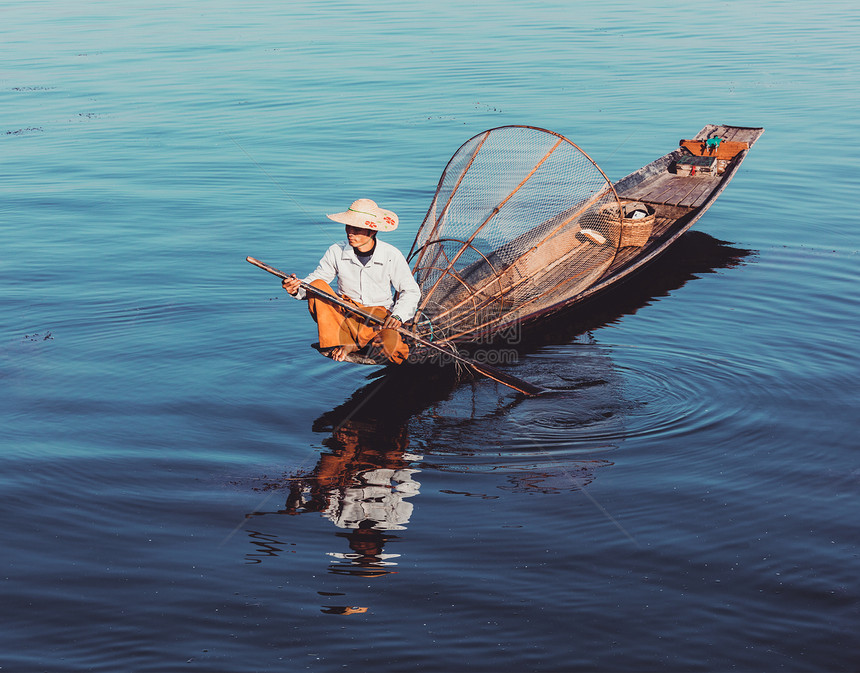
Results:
<point x="519" y="223"/>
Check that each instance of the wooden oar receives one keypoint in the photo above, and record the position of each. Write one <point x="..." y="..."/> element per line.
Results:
<point x="490" y="372"/>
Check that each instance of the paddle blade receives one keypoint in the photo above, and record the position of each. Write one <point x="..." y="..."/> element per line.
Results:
<point x="506" y="379"/>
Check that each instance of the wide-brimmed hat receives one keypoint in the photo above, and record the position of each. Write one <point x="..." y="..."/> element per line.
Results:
<point x="365" y="214"/>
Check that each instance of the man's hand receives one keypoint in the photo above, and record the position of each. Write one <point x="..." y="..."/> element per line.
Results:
<point x="392" y="322"/>
<point x="291" y="284"/>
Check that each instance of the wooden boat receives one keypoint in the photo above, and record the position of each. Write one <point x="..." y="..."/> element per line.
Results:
<point x="524" y="224"/>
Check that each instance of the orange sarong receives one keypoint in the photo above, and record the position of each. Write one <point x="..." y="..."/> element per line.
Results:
<point x="339" y="327"/>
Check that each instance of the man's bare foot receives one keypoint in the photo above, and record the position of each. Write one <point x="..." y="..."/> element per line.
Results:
<point x="340" y="353"/>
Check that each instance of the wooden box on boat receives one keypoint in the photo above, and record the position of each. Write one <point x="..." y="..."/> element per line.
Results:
<point x="691" y="165"/>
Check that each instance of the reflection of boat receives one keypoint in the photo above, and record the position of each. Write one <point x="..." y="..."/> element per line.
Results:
<point x="523" y="224"/>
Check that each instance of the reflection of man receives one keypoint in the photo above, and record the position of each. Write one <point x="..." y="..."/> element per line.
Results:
<point x="366" y="558"/>
<point x="376" y="496"/>
<point x="361" y="485"/>
<point x="366" y="271"/>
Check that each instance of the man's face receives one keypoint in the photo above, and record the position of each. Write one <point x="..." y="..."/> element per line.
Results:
<point x="359" y="238"/>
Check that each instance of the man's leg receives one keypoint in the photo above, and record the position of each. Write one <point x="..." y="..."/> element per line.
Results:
<point x="334" y="326"/>
<point x="388" y="341"/>
<point x="392" y="345"/>
<point x="347" y="333"/>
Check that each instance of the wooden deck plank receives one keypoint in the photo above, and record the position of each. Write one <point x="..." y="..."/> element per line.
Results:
<point x="645" y="191"/>
<point x="661" y="224"/>
<point x="699" y="193"/>
<point x="653" y="195"/>
<point x="659" y="197"/>
<point x="672" y="190"/>
<point x="742" y="135"/>
<point x="727" y="134"/>
<point x="738" y="134"/>
<point x="622" y="257"/>
<point x="661" y="190"/>
<point x="702" y="197"/>
<point x="691" y="197"/>
<point x="681" y="187"/>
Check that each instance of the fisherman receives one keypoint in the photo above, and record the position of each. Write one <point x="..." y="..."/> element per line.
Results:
<point x="367" y="270"/>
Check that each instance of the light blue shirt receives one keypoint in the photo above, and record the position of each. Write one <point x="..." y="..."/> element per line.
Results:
<point x="371" y="285"/>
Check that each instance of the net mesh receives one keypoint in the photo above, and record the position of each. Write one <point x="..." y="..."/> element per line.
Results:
<point x="521" y="221"/>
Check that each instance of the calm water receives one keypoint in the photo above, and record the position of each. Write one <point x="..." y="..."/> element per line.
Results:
<point x="686" y="499"/>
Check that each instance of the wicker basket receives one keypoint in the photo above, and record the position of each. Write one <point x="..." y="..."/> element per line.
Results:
<point x="635" y="232"/>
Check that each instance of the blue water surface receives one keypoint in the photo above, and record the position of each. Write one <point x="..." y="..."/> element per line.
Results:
<point x="184" y="476"/>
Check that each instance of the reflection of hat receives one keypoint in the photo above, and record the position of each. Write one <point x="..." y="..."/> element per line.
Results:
<point x="365" y="214"/>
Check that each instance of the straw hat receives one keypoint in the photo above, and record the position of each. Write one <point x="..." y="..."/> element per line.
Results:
<point x="365" y="214"/>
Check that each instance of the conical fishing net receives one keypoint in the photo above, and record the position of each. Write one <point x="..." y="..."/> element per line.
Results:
<point x="521" y="222"/>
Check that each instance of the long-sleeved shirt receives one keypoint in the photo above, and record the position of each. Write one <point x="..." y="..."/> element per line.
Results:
<point x="370" y="285"/>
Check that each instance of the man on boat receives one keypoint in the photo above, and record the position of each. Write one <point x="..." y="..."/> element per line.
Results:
<point x="367" y="270"/>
